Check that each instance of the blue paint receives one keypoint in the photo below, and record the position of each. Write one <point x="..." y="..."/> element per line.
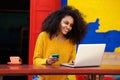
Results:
<point x="111" y="38"/>
<point x="63" y="2"/>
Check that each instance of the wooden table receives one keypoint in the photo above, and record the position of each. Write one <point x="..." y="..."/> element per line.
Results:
<point x="110" y="66"/>
<point x="13" y="70"/>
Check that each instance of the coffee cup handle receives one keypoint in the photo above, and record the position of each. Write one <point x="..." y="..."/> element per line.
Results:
<point x="20" y="60"/>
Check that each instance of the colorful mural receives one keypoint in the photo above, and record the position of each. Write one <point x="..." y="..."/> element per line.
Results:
<point x="102" y="17"/>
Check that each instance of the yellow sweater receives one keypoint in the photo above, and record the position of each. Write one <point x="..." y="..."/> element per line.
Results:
<point x="45" y="47"/>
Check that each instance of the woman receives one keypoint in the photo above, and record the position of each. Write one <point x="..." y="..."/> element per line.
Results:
<point x="61" y="31"/>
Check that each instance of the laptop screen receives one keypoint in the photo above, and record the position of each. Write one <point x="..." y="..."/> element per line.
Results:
<point x="89" y="54"/>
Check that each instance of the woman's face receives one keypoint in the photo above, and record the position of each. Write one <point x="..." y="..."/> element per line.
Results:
<point x="66" y="24"/>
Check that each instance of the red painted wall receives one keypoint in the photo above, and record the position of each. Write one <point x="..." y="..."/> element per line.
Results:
<point x="39" y="9"/>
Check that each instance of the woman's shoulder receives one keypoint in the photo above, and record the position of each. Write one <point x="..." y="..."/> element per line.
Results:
<point x="43" y="34"/>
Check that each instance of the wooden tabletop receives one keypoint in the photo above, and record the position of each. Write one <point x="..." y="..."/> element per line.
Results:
<point x="56" y="70"/>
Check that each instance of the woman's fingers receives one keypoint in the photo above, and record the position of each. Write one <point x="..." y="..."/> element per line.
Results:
<point x="52" y="60"/>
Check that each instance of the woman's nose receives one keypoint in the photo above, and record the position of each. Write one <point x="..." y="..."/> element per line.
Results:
<point x="69" y="27"/>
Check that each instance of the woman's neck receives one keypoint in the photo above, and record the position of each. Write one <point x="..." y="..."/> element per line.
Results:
<point x="60" y="37"/>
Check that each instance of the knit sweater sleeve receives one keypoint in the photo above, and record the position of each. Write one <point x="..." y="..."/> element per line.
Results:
<point x="38" y="51"/>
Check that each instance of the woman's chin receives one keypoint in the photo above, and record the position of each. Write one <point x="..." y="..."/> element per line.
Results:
<point x="65" y="33"/>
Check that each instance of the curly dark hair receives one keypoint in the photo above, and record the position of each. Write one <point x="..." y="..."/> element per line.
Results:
<point x="52" y="22"/>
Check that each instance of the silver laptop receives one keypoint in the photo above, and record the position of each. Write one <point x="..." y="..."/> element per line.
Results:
<point x="88" y="55"/>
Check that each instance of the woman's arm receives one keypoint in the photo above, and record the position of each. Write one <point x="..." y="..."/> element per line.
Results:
<point x="39" y="51"/>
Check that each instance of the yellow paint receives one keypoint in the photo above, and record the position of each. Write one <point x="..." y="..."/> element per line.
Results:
<point x="117" y="50"/>
<point x="106" y="10"/>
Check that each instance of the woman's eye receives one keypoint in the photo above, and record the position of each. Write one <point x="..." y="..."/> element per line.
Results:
<point x="66" y="22"/>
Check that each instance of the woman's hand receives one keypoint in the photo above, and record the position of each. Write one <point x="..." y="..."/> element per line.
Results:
<point x="51" y="60"/>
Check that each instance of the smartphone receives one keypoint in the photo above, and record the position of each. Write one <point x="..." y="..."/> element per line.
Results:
<point x="55" y="55"/>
